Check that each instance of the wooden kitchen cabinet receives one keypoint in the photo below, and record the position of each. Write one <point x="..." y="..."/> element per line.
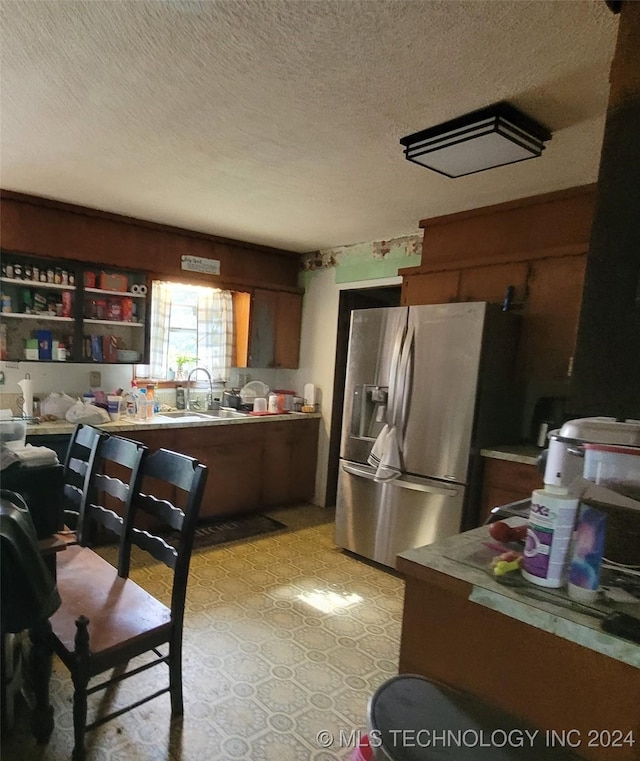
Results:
<point x="430" y="288"/>
<point x="251" y="466"/>
<point x="490" y="283"/>
<point x="90" y="310"/>
<point x="275" y="328"/>
<point x="506" y="481"/>
<point x="290" y="454"/>
<point x="551" y="314"/>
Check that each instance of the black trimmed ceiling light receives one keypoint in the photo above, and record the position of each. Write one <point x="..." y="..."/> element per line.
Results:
<point x="490" y="137"/>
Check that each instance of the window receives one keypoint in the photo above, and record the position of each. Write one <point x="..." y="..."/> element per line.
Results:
<point x="190" y="321"/>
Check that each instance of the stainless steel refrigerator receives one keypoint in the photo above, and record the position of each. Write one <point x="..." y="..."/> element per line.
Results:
<point x="442" y="378"/>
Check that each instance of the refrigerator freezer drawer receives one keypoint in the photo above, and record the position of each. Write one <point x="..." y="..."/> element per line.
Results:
<point x="378" y="521"/>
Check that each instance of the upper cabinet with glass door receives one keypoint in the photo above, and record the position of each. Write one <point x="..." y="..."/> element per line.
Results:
<point x="57" y="310"/>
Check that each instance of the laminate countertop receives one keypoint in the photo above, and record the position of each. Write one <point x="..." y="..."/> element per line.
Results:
<point x="524" y="453"/>
<point x="466" y="557"/>
<point x="163" y="422"/>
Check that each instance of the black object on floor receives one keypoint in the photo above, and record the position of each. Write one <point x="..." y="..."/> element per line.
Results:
<point x="221" y="531"/>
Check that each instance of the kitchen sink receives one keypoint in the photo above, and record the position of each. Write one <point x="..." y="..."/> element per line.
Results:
<point x="194" y="416"/>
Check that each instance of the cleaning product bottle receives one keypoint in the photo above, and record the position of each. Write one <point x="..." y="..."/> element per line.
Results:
<point x="551" y="520"/>
<point x="179" y="397"/>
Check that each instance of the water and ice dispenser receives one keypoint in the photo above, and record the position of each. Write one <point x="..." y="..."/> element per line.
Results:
<point x="369" y="410"/>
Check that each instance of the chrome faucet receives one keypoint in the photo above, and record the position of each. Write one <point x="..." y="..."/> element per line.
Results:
<point x="209" y="402"/>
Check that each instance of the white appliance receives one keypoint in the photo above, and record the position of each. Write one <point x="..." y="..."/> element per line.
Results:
<point x="565" y="455"/>
<point x="441" y="377"/>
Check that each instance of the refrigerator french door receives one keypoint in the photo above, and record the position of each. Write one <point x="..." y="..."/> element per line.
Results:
<point x="382" y="520"/>
<point x="425" y="371"/>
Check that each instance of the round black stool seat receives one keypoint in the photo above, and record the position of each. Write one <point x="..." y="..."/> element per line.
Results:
<point x="413" y="719"/>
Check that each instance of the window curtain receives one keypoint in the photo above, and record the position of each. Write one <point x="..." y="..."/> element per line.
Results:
<point x="215" y="331"/>
<point x="160" y="323"/>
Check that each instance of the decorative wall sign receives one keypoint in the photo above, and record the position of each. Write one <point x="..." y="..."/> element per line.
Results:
<point x="200" y="264"/>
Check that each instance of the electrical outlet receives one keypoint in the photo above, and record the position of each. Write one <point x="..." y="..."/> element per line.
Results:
<point x="95" y="379"/>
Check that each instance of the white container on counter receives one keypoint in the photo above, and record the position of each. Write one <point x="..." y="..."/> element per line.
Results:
<point x="616" y="467"/>
<point x="551" y="521"/>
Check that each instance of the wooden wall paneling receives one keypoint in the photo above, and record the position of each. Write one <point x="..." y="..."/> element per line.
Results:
<point x="490" y="283"/>
<point x="47" y="228"/>
<point x="431" y="288"/>
<point x="543" y="223"/>
<point x="550" y="317"/>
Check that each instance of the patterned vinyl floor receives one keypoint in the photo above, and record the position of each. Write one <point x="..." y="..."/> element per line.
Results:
<point x="286" y="637"/>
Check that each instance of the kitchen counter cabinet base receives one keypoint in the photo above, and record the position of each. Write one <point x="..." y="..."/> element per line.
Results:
<point x="504" y="481"/>
<point x="548" y="681"/>
<point x="251" y="467"/>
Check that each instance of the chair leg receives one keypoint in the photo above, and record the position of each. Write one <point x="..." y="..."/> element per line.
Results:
<point x="40" y="659"/>
<point x="80" y="675"/>
<point x="175" y="676"/>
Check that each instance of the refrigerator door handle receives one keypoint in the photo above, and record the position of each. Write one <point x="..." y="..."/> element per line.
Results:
<point x="404" y="483"/>
<point x="404" y="374"/>
<point x="393" y="376"/>
<point x="364" y="471"/>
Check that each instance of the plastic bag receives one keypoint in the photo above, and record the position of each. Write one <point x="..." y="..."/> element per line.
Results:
<point x="87" y="413"/>
<point x="57" y="405"/>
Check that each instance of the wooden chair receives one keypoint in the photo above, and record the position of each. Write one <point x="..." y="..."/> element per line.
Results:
<point x="78" y="466"/>
<point x="106" y="619"/>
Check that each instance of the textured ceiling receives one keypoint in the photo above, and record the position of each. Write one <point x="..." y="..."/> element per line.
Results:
<point x="277" y="122"/>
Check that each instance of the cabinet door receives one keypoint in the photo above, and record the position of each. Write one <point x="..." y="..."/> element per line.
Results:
<point x="550" y="317"/>
<point x="430" y="288"/>
<point x="290" y="456"/>
<point x="490" y="283"/>
<point x="233" y="455"/>
<point x="278" y="445"/>
<point x="275" y="329"/>
<point x="262" y="343"/>
<point x="288" y="329"/>
<point x="304" y="456"/>
<point x="505" y="481"/>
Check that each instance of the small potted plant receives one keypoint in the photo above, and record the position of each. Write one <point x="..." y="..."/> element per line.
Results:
<point x="181" y="361"/>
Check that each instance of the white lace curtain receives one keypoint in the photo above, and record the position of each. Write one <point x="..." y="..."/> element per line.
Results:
<point x="215" y="329"/>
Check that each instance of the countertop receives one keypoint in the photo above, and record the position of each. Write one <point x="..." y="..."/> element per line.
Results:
<point x="63" y="427"/>
<point x="466" y="557"/>
<point x="525" y="453"/>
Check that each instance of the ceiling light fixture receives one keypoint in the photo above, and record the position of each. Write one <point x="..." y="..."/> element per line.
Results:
<point x="490" y="137"/>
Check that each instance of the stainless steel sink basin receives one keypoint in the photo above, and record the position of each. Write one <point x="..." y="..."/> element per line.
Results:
<point x="194" y="416"/>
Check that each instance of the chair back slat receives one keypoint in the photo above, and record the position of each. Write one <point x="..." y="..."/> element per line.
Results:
<point x="161" y="509"/>
<point x="156" y="547"/>
<point x="182" y="480"/>
<point x="107" y="518"/>
<point x="113" y="486"/>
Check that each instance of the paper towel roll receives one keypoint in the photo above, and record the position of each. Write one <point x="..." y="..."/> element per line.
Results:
<point x="135" y="288"/>
<point x="310" y="394"/>
<point x="143" y="289"/>
<point x="27" y="396"/>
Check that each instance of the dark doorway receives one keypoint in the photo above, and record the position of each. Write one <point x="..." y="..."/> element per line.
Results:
<point x="365" y="298"/>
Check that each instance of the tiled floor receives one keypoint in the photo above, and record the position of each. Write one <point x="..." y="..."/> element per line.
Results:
<point x="285" y="637"/>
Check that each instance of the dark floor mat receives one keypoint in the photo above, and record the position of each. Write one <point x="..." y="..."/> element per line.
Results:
<point x="221" y="531"/>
